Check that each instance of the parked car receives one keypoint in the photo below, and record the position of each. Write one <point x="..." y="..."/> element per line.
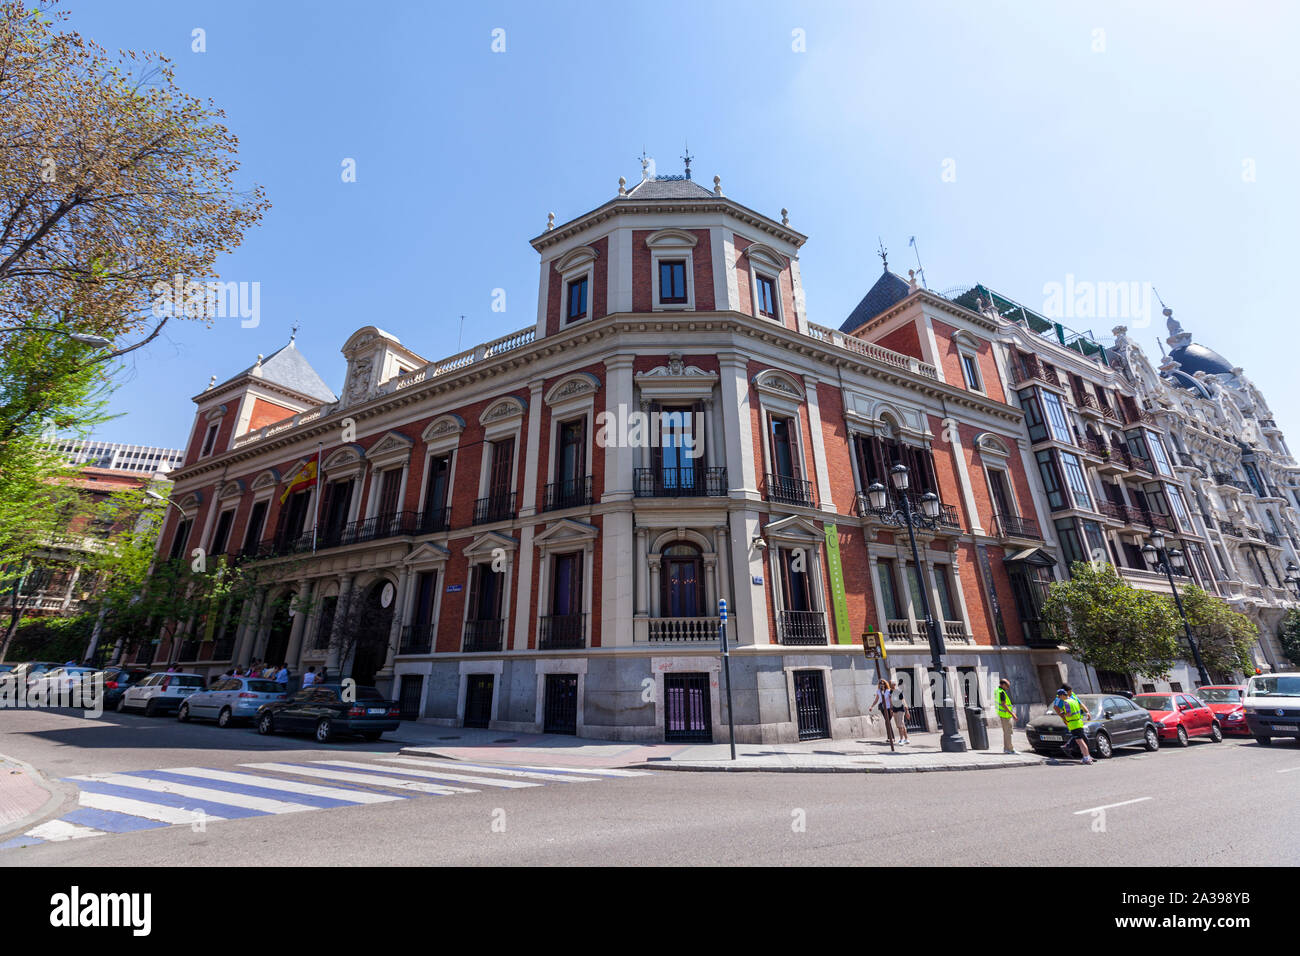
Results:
<point x="1273" y="706"/>
<point x="323" y="711"/>
<point x="160" y="693"/>
<point x="1226" y="702"/>
<point x="59" y="680"/>
<point x="117" y="680"/>
<point x="28" y="671"/>
<point x="1116" y="722"/>
<point x="231" y="699"/>
<point x="1181" y="717"/>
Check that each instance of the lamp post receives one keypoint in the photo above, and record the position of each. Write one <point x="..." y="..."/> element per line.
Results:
<point x="1169" y="561"/>
<point x="1293" y="578"/>
<point x="949" y="741"/>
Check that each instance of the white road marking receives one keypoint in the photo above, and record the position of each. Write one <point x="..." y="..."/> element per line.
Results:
<point x="56" y="831"/>
<point x="488" y="768"/>
<point x="368" y="778"/>
<point x="592" y="770"/>
<point x="1111" y="806"/>
<point x="139" y="808"/>
<point x="455" y="777"/>
<point x="264" y="804"/>
<point x="1289" y="770"/>
<point x="290" y="786"/>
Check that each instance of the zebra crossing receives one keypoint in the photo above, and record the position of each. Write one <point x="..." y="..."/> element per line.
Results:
<point x="132" y="800"/>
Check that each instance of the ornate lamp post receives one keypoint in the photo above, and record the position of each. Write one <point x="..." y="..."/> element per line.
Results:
<point x="1168" y="562"/>
<point x="1292" y="577"/>
<point x="949" y="741"/>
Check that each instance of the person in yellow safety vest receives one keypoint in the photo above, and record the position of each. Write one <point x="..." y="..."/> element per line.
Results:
<point x="1071" y="710"/>
<point x="1006" y="715"/>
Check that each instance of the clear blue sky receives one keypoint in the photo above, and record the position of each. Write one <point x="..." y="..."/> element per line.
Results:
<point x="1118" y="164"/>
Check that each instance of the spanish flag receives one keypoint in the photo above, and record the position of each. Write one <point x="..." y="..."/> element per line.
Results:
<point x="304" y="478"/>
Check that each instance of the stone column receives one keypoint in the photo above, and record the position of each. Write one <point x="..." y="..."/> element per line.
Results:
<point x="711" y="586"/>
<point x="249" y="618"/>
<point x="818" y="445"/>
<point x="306" y="592"/>
<point x="643" y="571"/>
<point x="655" y="609"/>
<point x="399" y="620"/>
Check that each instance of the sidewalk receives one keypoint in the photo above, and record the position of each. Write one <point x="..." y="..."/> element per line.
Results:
<point x="812" y="756"/>
<point x="22" y="795"/>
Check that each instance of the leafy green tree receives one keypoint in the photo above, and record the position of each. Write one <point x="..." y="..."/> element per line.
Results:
<point x="1223" y="636"/>
<point x="1103" y="621"/>
<point x="1289" y="636"/>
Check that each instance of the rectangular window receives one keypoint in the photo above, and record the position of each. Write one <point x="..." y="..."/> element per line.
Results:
<point x="1180" y="508"/>
<point x="221" y="536"/>
<point x="1003" y="501"/>
<point x="573" y="453"/>
<point x="485" y="593"/>
<point x="435" y="491"/>
<point x="293" y="516"/>
<point x="970" y="369"/>
<point x="1056" y="417"/>
<point x="181" y="539"/>
<point x="566" y="584"/>
<point x="1096" y="540"/>
<point x="1051" y="480"/>
<point x="209" y="439"/>
<point x="1137" y="447"/>
<point x="577" y="299"/>
<point x="1158" y="453"/>
<point x="888" y="590"/>
<point x="426" y="590"/>
<point x="338" y="502"/>
<point x="503" y="460"/>
<point x="1252" y="475"/>
<point x="941" y="583"/>
<point x="1033" y="415"/>
<point x="672" y="281"/>
<point x="1075" y="479"/>
<point x="914" y="591"/>
<point x="766" y="297"/>
<point x="1071" y="546"/>
<point x="794" y="581"/>
<point x="389" y="484"/>
<point x="784" y="457"/>
<point x="253" y="533"/>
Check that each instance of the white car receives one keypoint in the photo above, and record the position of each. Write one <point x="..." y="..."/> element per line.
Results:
<point x="160" y="693"/>
<point x="1272" y="705"/>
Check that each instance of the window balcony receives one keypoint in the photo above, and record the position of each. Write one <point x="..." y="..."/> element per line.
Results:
<point x="1015" y="526"/>
<point x="676" y="630"/>
<point x="432" y="520"/>
<point x="570" y="493"/>
<point x="947" y="521"/>
<point x="801" y="627"/>
<point x="562" y="631"/>
<point x="483" y="635"/>
<point x="495" y="508"/>
<point x="416" y="639"/>
<point x="785" y="490"/>
<point x="690" y="482"/>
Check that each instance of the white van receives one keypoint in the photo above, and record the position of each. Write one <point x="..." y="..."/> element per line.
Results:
<point x="1273" y="706"/>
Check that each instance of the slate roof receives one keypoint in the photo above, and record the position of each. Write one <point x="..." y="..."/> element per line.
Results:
<point x="1195" y="358"/>
<point x="672" y="188"/>
<point x="289" y="369"/>
<point x="888" y="290"/>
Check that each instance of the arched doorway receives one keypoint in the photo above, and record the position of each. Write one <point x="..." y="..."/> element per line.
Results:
<point x="277" y="641"/>
<point x="682" y="580"/>
<point x="371" y="627"/>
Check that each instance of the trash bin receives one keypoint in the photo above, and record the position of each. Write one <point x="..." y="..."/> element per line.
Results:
<point x="977" y="729"/>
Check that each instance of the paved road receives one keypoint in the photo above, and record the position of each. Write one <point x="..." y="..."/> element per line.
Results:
<point x="1211" y="804"/>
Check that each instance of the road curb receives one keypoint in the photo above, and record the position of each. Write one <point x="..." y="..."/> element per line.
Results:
<point x="714" y="768"/>
<point x="54" y="801"/>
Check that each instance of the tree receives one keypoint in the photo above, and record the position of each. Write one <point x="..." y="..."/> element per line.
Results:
<point x="1223" y="636"/>
<point x="114" y="184"/>
<point x="1104" y="622"/>
<point x="1289" y="636"/>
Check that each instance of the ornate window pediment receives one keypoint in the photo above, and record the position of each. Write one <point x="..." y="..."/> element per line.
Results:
<point x="427" y="554"/>
<point x="669" y="238"/>
<point x="764" y="256"/>
<point x="503" y="410"/>
<point x="485" y="544"/>
<point x="573" y="386"/>
<point x="233" y="489"/>
<point x="576" y="259"/>
<point x="351" y="454"/>
<point x="270" y="478"/>
<point x="991" y="445"/>
<point x="566" y="532"/>
<point x="444" y="426"/>
<point x="392" y="448"/>
<point x="779" y="384"/>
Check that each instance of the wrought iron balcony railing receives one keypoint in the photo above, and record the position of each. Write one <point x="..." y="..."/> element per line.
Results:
<point x="1015" y="526"/>
<point x="569" y="493"/>
<point x="785" y="490"/>
<point x="495" y="508"/>
<point x="416" y="639"/>
<point x="557" y="631"/>
<point x="689" y="482"/>
<point x="483" y="635"/>
<point x="801" y="627"/>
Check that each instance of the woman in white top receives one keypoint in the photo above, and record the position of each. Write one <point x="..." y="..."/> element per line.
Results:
<point x="882" y="703"/>
<point x="899" y="706"/>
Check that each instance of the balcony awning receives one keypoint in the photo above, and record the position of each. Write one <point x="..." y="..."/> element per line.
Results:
<point x="1034" y="556"/>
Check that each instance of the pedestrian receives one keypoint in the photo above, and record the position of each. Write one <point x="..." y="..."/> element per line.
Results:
<point x="899" y="706"/>
<point x="1071" y="710"/>
<point x="882" y="702"/>
<point x="1006" y="715"/>
<point x="309" y="678"/>
<point x="324" y="676"/>
<point x="282" y="677"/>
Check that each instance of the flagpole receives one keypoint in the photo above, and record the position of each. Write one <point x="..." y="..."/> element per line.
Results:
<point x="316" y="518"/>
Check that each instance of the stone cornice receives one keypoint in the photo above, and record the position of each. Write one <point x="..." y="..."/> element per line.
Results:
<point x="619" y="206"/>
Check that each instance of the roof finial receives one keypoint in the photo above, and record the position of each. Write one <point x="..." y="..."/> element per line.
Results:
<point x="645" y="165"/>
<point x="293" y="333"/>
<point x="212" y="383"/>
<point x="883" y="253"/>
<point x="785" y="217"/>
<point x="550" y="221"/>
<point x="717" y="185"/>
<point x="687" y="158"/>
<point x="622" y="185"/>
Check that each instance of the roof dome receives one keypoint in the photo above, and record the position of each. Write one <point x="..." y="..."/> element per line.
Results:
<point x="1193" y="358"/>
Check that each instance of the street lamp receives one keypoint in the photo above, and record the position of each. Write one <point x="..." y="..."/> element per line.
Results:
<point x="1293" y="577"/>
<point x="877" y="495"/>
<point x="1169" y="562"/>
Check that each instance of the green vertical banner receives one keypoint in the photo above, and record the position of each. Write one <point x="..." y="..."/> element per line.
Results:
<point x="837" y="586"/>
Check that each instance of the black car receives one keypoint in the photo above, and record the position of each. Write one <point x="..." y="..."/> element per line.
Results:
<point x="1114" y="721"/>
<point x="117" y="680"/>
<point x="328" y="710"/>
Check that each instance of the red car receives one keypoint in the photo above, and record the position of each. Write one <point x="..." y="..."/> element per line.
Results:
<point x="1226" y="702"/>
<point x="1181" y="716"/>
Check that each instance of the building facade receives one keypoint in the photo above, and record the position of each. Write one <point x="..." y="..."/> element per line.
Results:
<point x="534" y="534"/>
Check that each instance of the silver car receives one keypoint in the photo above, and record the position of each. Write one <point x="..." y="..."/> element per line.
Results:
<point x="235" y="698"/>
<point x="158" y="693"/>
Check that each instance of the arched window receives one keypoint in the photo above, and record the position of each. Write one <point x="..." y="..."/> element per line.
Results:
<point x="682" y="581"/>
